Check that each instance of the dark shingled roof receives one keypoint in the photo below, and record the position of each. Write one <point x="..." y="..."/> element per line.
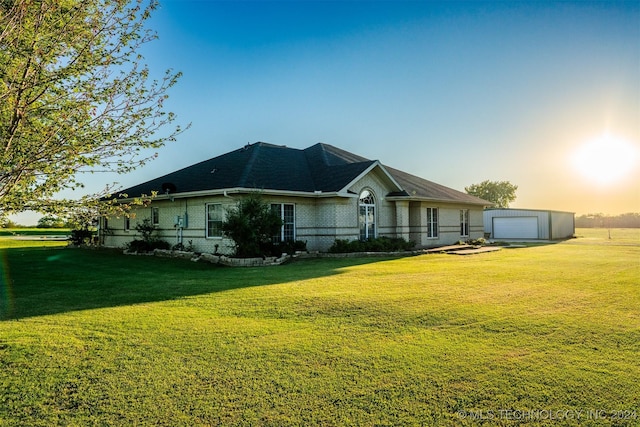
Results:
<point x="320" y="167"/>
<point x="418" y="187"/>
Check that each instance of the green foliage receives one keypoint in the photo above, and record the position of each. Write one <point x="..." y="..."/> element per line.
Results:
<point x="50" y="221"/>
<point x="75" y="96"/>
<point x="7" y="223"/>
<point x="82" y="223"/>
<point x="82" y="236"/>
<point x="251" y="224"/>
<point x="149" y="240"/>
<point x="500" y="193"/>
<point x="288" y="247"/>
<point x="379" y="244"/>
<point x="475" y="242"/>
<point x="141" y="246"/>
<point x="182" y="247"/>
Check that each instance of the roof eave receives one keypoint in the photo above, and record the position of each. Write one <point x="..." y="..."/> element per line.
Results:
<point x="433" y="199"/>
<point x="244" y="190"/>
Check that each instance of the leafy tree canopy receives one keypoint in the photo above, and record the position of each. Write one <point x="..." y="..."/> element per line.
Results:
<point x="500" y="193"/>
<point x="75" y="97"/>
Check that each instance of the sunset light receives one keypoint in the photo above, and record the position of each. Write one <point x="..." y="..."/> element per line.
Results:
<point x="605" y="160"/>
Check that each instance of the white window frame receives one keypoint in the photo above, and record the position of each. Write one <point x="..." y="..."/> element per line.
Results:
<point x="155" y="216"/>
<point x="127" y="223"/>
<point x="206" y="228"/>
<point x="432" y="223"/>
<point x="464" y="222"/>
<point x="279" y="208"/>
<point x="367" y="220"/>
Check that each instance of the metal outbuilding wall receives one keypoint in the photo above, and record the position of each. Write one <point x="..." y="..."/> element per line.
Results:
<point x="563" y="224"/>
<point x="551" y="224"/>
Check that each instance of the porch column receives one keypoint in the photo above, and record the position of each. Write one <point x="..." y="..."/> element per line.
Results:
<point x="402" y="219"/>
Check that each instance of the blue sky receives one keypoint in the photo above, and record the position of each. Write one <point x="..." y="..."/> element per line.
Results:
<point x="455" y="92"/>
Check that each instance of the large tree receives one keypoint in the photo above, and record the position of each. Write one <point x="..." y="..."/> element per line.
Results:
<point x="500" y="193"/>
<point x="75" y="96"/>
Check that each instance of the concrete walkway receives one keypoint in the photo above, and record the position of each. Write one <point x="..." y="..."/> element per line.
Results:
<point x="473" y="251"/>
<point x="462" y="249"/>
<point x="36" y="237"/>
<point x="447" y="249"/>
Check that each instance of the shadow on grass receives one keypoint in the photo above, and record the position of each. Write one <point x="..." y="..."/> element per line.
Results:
<point x="43" y="281"/>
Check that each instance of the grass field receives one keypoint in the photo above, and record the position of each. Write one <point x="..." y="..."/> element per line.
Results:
<point x="543" y="335"/>
<point x="34" y="231"/>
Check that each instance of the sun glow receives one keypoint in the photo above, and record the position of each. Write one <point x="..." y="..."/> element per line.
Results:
<point x="605" y="160"/>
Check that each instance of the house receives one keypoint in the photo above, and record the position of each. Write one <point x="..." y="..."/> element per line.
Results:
<point x="529" y="224"/>
<point x="322" y="193"/>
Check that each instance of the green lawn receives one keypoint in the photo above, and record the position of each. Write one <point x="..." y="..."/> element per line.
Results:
<point x="526" y="336"/>
<point x="34" y="231"/>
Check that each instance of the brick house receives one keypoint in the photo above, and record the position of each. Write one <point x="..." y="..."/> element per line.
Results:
<point x="322" y="193"/>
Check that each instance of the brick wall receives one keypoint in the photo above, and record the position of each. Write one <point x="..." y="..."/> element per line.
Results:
<point x="319" y="221"/>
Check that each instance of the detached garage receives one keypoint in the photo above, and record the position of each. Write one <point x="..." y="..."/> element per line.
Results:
<point x="528" y="224"/>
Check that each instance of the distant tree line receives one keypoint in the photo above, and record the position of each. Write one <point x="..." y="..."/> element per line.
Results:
<point x="598" y="220"/>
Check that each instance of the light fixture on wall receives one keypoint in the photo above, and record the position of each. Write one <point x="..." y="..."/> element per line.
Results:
<point x="169" y="187"/>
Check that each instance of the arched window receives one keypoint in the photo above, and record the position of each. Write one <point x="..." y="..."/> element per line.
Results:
<point x="367" y="215"/>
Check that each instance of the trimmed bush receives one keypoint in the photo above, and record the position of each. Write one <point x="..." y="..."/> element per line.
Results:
<point x="149" y="242"/>
<point x="289" y="247"/>
<point x="147" y="246"/>
<point x="477" y="242"/>
<point x="380" y="244"/>
<point x="182" y="247"/>
<point x="82" y="236"/>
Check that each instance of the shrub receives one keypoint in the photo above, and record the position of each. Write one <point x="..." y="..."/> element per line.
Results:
<point x="181" y="247"/>
<point x="477" y="242"/>
<point x="251" y="224"/>
<point x="380" y="244"/>
<point x="149" y="241"/>
<point x="288" y="247"/>
<point x="82" y="236"/>
<point x="147" y="246"/>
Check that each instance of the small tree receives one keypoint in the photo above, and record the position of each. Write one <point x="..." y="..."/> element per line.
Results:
<point x="251" y="224"/>
<point x="83" y="226"/>
<point x="500" y="193"/>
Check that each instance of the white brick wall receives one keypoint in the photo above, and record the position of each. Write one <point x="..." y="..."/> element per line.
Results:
<point x="319" y="221"/>
<point x="448" y="223"/>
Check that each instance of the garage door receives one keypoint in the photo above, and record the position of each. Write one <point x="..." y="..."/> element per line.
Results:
<point x="523" y="227"/>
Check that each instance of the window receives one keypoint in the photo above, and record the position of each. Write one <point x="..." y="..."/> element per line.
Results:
<point x="464" y="222"/>
<point x="432" y="222"/>
<point x="214" y="220"/>
<point x="286" y="211"/>
<point x="367" y="215"/>
<point x="127" y="223"/>
<point x="155" y="216"/>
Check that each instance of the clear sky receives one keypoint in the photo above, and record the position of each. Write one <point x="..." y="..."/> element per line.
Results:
<point x="545" y="95"/>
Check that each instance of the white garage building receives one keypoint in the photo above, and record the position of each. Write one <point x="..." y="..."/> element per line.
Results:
<point x="528" y="224"/>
